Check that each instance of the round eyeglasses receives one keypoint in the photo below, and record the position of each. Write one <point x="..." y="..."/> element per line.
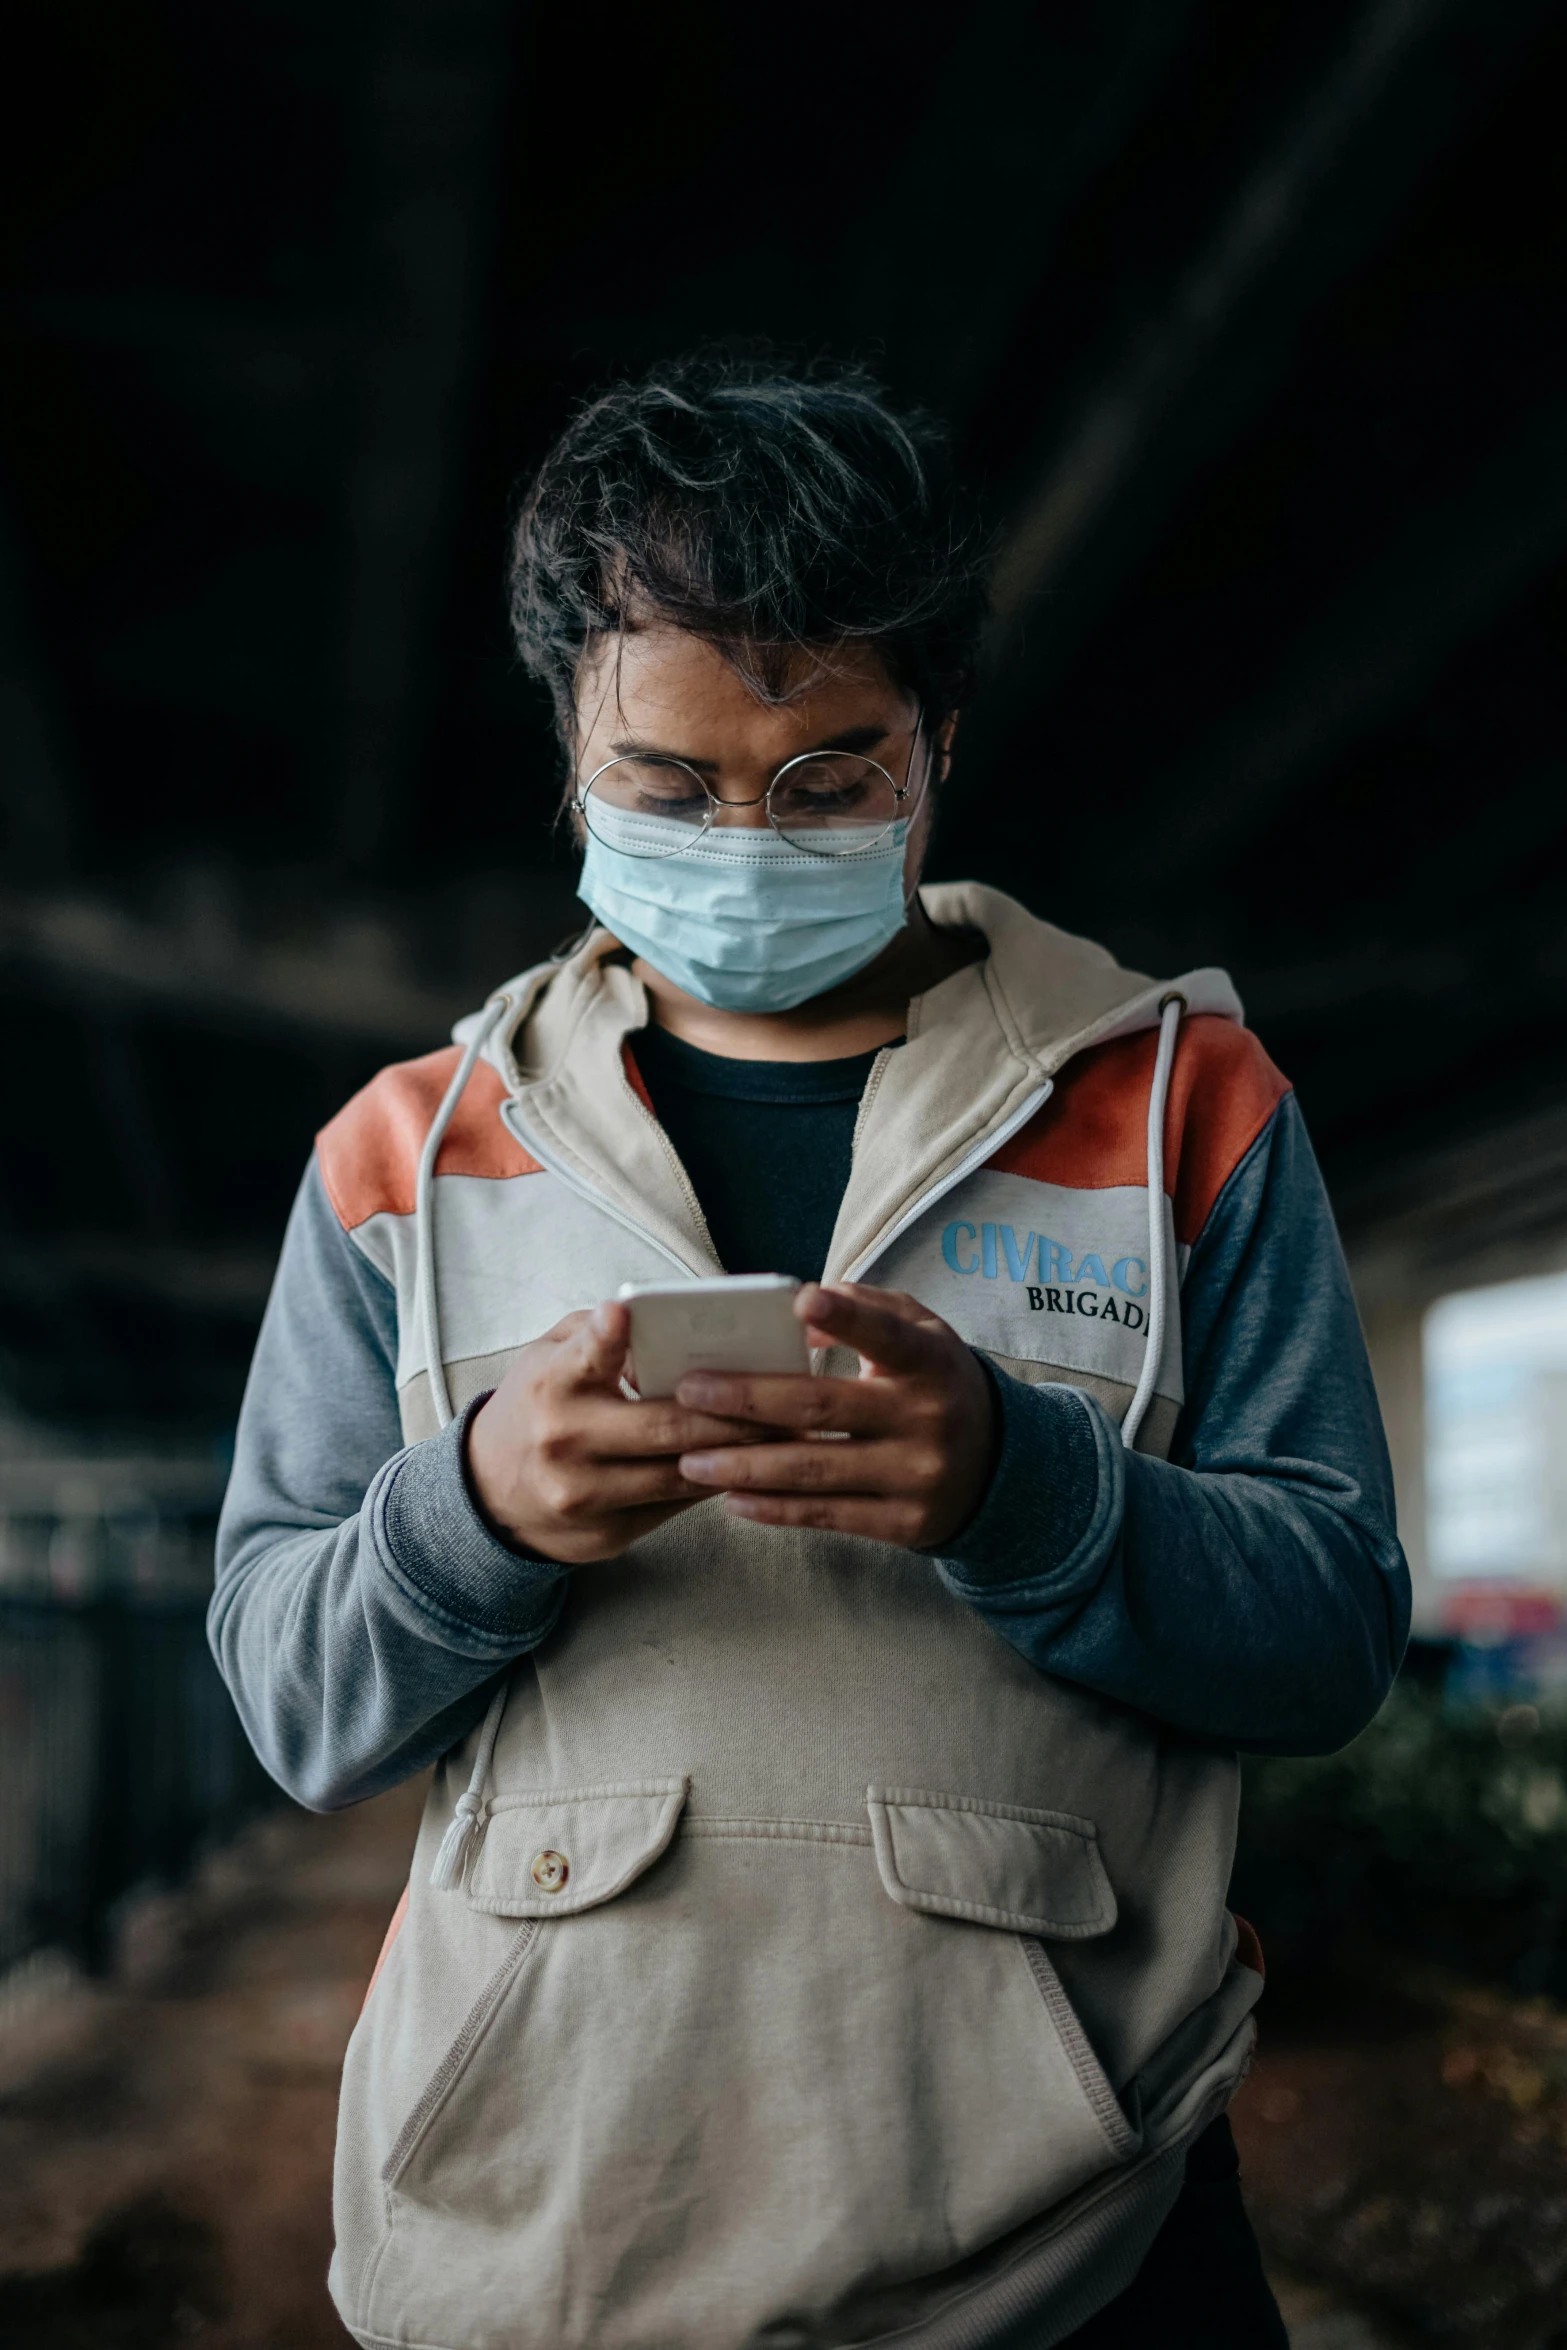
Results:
<point x="830" y="803"/>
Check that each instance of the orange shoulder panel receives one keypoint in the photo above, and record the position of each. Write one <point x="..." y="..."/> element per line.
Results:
<point x="369" y="1152"/>
<point x="1093" y="1131"/>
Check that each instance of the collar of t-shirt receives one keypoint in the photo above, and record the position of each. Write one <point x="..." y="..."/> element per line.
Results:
<point x="766" y="1144"/>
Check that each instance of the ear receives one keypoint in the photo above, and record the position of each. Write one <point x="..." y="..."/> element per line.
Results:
<point x="941" y="742"/>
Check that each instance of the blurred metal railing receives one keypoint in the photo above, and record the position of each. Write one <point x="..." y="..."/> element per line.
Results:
<point x="121" y="1757"/>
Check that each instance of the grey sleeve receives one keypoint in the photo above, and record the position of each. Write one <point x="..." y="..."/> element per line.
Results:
<point x="361" y="1604"/>
<point x="1250" y="1589"/>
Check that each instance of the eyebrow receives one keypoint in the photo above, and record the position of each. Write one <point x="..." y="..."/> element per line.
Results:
<point x="851" y="738"/>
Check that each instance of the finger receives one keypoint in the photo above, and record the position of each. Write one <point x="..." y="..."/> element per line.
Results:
<point x="890" y="1338"/>
<point x="897" y="1302"/>
<point x="882" y="1519"/>
<point x="595" y="1354"/>
<point x="630" y="1485"/>
<point x="567" y="1326"/>
<point x="791" y="1401"/>
<point x="610" y="1428"/>
<point x="854" y="1467"/>
<point x="574" y="1507"/>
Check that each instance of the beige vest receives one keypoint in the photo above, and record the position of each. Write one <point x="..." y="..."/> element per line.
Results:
<point x="821" y="1973"/>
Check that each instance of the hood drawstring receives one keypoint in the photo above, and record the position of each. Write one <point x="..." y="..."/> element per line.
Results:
<point x="462" y="1833"/>
<point x="1170" y="1010"/>
<point x="466" y="1824"/>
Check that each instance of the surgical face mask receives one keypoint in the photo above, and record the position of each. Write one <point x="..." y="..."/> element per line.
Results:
<point x="741" y="918"/>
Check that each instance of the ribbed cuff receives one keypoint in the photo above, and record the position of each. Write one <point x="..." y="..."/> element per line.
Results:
<point x="442" y="1548"/>
<point x="1056" y="1491"/>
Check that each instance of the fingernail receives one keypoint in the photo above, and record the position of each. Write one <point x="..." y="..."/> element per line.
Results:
<point x="698" y="1387"/>
<point x="699" y="1468"/>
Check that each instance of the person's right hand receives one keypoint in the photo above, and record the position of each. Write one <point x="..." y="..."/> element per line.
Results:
<point x="563" y="1463"/>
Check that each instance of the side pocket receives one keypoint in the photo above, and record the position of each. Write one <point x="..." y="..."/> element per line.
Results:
<point x="452" y="2065"/>
<point x="996" y="1864"/>
<point x="1107" y="2109"/>
<point x="1030" y="1877"/>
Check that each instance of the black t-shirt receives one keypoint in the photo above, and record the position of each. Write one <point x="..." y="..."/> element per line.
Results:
<point x="766" y="1144"/>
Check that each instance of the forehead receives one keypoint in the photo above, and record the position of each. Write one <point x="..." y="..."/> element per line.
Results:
<point x="660" y="684"/>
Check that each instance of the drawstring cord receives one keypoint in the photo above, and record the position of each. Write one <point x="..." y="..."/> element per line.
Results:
<point x="1170" y="1011"/>
<point x="462" y="1831"/>
<point x="451" y="1860"/>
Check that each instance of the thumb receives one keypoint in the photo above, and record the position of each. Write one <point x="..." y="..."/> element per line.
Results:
<point x="599" y="1346"/>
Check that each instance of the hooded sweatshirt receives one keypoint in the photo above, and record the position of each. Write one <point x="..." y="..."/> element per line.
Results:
<point x="812" y="1942"/>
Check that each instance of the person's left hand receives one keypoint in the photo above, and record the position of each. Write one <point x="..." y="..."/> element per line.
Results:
<point x="916" y="1431"/>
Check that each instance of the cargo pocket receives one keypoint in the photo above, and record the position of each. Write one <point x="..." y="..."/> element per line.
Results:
<point x="791" y="2068"/>
<point x="1036" y="1876"/>
<point x="539" y="1857"/>
<point x="551" y="1855"/>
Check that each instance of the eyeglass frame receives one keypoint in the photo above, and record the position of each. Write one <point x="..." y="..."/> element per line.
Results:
<point x="900" y="793"/>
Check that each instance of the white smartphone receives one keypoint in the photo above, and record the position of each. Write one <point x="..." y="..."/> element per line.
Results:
<point x="738" y="1322"/>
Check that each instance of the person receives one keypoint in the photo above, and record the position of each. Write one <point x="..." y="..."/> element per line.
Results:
<point x="817" y="1933"/>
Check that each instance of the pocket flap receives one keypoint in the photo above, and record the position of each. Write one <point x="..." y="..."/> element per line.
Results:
<point x="997" y="1864"/>
<point x="549" y="1854"/>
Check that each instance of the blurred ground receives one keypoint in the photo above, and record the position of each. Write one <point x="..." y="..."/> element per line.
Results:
<point x="1404" y="2138"/>
<point x="165" y="2141"/>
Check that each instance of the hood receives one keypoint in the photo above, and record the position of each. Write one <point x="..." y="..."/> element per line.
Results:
<point x="980" y="1054"/>
<point x="1054" y="994"/>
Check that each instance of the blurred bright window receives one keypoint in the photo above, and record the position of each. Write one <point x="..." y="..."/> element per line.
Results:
<point x="1496" y="1433"/>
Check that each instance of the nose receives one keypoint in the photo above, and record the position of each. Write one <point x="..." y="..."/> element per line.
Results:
<point x="743" y="815"/>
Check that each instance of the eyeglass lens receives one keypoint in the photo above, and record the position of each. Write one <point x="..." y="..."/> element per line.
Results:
<point x="833" y="802"/>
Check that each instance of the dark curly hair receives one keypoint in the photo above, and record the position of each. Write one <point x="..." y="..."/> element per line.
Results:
<point x="760" y="509"/>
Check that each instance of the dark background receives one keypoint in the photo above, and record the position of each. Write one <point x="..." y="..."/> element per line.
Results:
<point x="1249" y="324"/>
<point x="1248" y="321"/>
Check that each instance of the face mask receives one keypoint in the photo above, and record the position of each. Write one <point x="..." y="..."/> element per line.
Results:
<point x="743" y="919"/>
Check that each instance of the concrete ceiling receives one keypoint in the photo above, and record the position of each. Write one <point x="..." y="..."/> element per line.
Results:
<point x="1248" y="320"/>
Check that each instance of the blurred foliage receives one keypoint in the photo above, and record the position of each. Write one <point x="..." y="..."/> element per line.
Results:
<point x="1440" y="1833"/>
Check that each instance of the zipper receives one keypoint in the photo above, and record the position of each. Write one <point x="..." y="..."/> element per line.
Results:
<point x="677" y="1165"/>
<point x="595" y="1197"/>
<point x="879" y="1069"/>
<point x="975" y="1159"/>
